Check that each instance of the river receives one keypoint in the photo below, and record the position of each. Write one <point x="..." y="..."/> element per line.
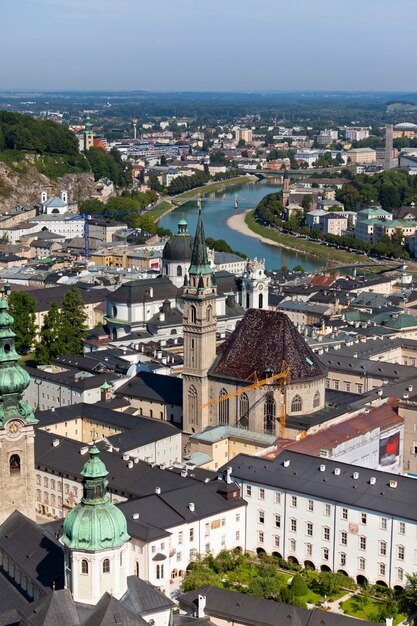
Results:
<point x="219" y="206"/>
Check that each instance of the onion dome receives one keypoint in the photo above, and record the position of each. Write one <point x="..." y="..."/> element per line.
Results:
<point x="180" y="246"/>
<point x="95" y="523"/>
<point x="13" y="378"/>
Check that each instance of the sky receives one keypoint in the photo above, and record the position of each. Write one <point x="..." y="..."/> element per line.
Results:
<point x="211" y="45"/>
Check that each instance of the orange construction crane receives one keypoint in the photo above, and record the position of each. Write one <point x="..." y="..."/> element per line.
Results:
<point x="283" y="377"/>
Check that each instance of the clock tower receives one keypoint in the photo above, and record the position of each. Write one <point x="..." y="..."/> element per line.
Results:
<point x="17" y="436"/>
<point x="255" y="285"/>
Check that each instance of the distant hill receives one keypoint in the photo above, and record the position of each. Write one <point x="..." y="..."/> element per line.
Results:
<point x="22" y="132"/>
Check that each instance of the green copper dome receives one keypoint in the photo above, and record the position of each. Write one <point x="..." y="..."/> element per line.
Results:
<point x="13" y="378"/>
<point x="95" y="523"/>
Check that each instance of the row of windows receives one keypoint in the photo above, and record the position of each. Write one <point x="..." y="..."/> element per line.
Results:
<point x="52" y="484"/>
<point x="105" y="566"/>
<point x="344" y="386"/>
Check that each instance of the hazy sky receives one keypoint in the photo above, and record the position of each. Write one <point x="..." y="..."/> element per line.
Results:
<point x="208" y="45"/>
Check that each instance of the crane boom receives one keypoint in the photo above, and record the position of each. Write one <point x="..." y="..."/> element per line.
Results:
<point x="283" y="376"/>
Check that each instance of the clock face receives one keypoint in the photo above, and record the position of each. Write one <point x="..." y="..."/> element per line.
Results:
<point x="260" y="286"/>
<point x="13" y="428"/>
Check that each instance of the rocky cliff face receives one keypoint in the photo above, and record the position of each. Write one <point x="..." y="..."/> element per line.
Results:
<point x="23" y="184"/>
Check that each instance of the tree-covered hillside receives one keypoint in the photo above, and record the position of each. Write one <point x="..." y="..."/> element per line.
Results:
<point x="21" y="132"/>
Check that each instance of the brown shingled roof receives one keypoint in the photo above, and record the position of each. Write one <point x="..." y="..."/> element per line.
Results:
<point x="261" y="341"/>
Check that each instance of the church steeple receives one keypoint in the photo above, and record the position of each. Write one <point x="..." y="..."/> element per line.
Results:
<point x="95" y="539"/>
<point x="17" y="437"/>
<point x="200" y="326"/>
<point x="199" y="258"/>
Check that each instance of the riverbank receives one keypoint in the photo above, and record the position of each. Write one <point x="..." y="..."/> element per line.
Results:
<point x="166" y="206"/>
<point x="211" y="187"/>
<point x="245" y="224"/>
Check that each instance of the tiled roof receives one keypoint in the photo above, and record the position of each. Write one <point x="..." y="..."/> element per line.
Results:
<point x="260" y="343"/>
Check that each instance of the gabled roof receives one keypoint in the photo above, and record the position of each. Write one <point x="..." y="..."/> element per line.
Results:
<point x="153" y="387"/>
<point x="56" y="608"/>
<point x="110" y="611"/>
<point x="260" y="343"/>
<point x="34" y="551"/>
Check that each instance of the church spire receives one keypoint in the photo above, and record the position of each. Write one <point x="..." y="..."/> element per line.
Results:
<point x="199" y="258"/>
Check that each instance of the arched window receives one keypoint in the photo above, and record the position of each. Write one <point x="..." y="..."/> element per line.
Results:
<point x="316" y="400"/>
<point x="260" y="301"/>
<point x="179" y="270"/>
<point x="208" y="313"/>
<point x="223" y="408"/>
<point x="247" y="300"/>
<point x="14" y="464"/>
<point x="38" y="479"/>
<point x="114" y="312"/>
<point x="193" y="314"/>
<point x="137" y="569"/>
<point x="106" y="566"/>
<point x="84" y="566"/>
<point x="243" y="411"/>
<point x="45" y="481"/>
<point x="269" y="415"/>
<point x="159" y="572"/>
<point x="192" y="404"/>
<point x="296" y="404"/>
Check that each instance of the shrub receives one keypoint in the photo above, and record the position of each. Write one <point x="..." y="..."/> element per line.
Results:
<point x="298" y="586"/>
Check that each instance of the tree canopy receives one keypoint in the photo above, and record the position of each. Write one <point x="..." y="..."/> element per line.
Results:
<point x="22" y="308"/>
<point x="22" y="132"/>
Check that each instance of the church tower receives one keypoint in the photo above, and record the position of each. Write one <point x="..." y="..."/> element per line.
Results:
<point x="255" y="285"/>
<point x="17" y="436"/>
<point x="285" y="188"/>
<point x="200" y="324"/>
<point x="95" y="539"/>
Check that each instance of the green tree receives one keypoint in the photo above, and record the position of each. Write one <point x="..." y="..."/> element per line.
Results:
<point x="72" y="323"/>
<point x="265" y="587"/>
<point x="298" y="586"/>
<point x="410" y="590"/>
<point x="163" y="160"/>
<point x="22" y="308"/>
<point x="306" y="202"/>
<point x="299" y="268"/>
<point x="50" y="343"/>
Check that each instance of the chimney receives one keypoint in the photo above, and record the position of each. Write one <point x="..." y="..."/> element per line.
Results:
<point x="191" y="507"/>
<point x="202" y="606"/>
<point x="158" y="490"/>
<point x="44" y="196"/>
<point x="64" y="196"/>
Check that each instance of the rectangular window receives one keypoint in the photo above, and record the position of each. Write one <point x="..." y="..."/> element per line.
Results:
<point x="223" y="521"/>
<point x="293" y="525"/>
<point x="327" y="509"/>
<point x="326" y="533"/>
<point x="342" y="558"/>
<point x="383" y="548"/>
<point x="309" y="549"/>
<point x="180" y="537"/>
<point x="179" y="556"/>
<point x="343" y="538"/>
<point x="382" y="569"/>
<point x="363" y="518"/>
<point x="261" y="494"/>
<point x="276" y="541"/>
<point x="400" y="553"/>
<point x="260" y="536"/>
<point x="362" y="543"/>
<point x="344" y="513"/>
<point x="292" y="545"/>
<point x="248" y="491"/>
<point x="278" y="521"/>
<point x="362" y="564"/>
<point x="207" y="548"/>
<point x="207" y="530"/>
<point x="237" y="535"/>
<point x="277" y="497"/>
<point x="261" y="517"/>
<point x="310" y="505"/>
<point x="294" y="501"/>
<point x="359" y="388"/>
<point x="237" y="518"/>
<point x="336" y="385"/>
<point x="347" y="386"/>
<point x="400" y="573"/>
<point x="309" y="529"/>
<point x="401" y="528"/>
<point x="384" y="523"/>
<point x="191" y="534"/>
<point x="326" y="554"/>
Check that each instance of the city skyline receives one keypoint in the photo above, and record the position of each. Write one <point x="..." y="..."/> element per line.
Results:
<point x="135" y="45"/>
